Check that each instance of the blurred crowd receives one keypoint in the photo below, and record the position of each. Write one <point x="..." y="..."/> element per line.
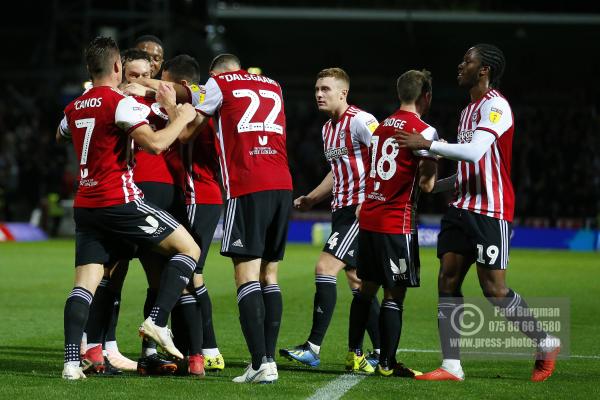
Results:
<point x="556" y="158"/>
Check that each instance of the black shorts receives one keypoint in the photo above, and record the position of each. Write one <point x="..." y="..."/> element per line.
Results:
<point x="101" y="234"/>
<point x="481" y="239"/>
<point x="391" y="260"/>
<point x="343" y="241"/>
<point x="203" y="219"/>
<point x="255" y="225"/>
<point x="167" y="197"/>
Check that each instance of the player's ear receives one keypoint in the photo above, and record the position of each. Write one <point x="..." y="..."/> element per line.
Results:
<point x="184" y="82"/>
<point x="484" y="70"/>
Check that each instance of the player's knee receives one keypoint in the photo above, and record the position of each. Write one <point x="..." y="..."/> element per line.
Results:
<point x="198" y="280"/>
<point x="190" y="249"/>
<point x="448" y="282"/>
<point x="327" y="266"/>
<point x="369" y="289"/>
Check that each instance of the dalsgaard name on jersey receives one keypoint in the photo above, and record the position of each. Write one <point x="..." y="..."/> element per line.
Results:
<point x="248" y="77"/>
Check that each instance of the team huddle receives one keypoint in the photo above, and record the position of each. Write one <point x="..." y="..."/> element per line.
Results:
<point x="157" y="149"/>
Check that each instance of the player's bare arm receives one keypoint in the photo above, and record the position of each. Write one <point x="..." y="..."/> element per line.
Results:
<point x="320" y="193"/>
<point x="427" y="175"/>
<point x="59" y="137"/>
<point x="136" y="89"/>
<point x="153" y="84"/>
<point x="413" y="141"/>
<point x="156" y="142"/>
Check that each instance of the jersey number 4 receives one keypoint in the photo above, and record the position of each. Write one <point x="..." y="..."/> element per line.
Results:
<point x="88" y="124"/>
<point x="268" y="125"/>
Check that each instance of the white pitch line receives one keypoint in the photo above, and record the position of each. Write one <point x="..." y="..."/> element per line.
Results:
<point x="337" y="387"/>
<point x="585" y="357"/>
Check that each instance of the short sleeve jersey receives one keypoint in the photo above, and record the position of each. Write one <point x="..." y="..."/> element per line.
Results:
<point x="165" y="167"/>
<point x="485" y="187"/>
<point x="346" y="146"/>
<point x="99" y="123"/>
<point x="392" y="183"/>
<point x="251" y="132"/>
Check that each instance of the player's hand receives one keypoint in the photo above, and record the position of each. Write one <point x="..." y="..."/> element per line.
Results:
<point x="186" y="111"/>
<point x="303" y="203"/>
<point x="135" y="89"/>
<point x="413" y="141"/>
<point x="357" y="211"/>
<point x="166" y="95"/>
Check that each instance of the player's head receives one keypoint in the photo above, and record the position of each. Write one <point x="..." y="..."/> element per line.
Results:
<point x="136" y="64"/>
<point x="182" y="69"/>
<point x="102" y="59"/>
<point x="414" y="87"/>
<point x="154" y="47"/>
<point x="481" y="62"/>
<point x="331" y="89"/>
<point x="224" y="63"/>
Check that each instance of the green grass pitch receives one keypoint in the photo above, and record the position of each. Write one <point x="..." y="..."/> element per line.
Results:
<point x="35" y="279"/>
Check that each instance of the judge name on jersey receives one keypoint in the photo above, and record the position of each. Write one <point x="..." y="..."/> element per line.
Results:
<point x="394" y="123"/>
<point x="247" y="77"/>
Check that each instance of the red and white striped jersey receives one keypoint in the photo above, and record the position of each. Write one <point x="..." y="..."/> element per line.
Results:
<point x="251" y="130"/>
<point x="346" y="145"/>
<point x="393" y="184"/>
<point x="485" y="187"/>
<point x="201" y="161"/>
<point x="165" y="167"/>
<point x="99" y="122"/>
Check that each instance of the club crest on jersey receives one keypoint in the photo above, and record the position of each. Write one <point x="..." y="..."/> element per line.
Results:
<point x="495" y="115"/>
<point x="342" y="134"/>
<point x="475" y="117"/>
<point x="156" y="110"/>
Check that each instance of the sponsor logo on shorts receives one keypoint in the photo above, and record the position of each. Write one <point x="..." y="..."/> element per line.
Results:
<point x="237" y="243"/>
<point x="153" y="225"/>
<point x="398" y="269"/>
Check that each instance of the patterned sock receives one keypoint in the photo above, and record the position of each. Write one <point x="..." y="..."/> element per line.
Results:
<point x="252" y="319"/>
<point x="517" y="311"/>
<point x="324" y="304"/>
<point x="100" y="313"/>
<point x="205" y="306"/>
<point x="273" y="310"/>
<point x="390" y="320"/>
<point x="174" y="279"/>
<point x="373" y="322"/>
<point x="77" y="308"/>
<point x="111" y="333"/>
<point x="149" y="345"/>
<point x="447" y="304"/>
<point x="359" y="315"/>
<point x="189" y="324"/>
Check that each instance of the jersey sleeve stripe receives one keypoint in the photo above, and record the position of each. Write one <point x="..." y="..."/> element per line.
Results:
<point x="203" y="113"/>
<point x="134" y="127"/>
